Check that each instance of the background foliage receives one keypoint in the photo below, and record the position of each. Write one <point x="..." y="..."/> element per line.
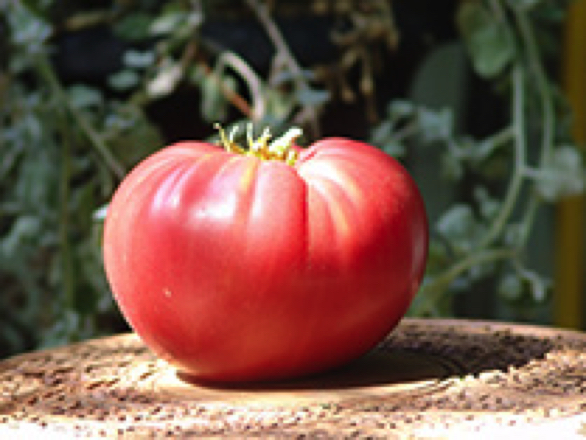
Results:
<point x="86" y="91"/>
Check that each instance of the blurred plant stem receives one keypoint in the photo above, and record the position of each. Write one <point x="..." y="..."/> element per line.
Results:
<point x="47" y="73"/>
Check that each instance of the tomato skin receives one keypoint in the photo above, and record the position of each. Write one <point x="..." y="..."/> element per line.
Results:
<point x="235" y="268"/>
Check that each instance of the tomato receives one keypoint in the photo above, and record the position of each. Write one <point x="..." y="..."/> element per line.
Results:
<point x="265" y="264"/>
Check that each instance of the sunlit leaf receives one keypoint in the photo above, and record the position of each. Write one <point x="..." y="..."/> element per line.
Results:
<point x="166" y="79"/>
<point x="100" y="213"/>
<point x="167" y="23"/>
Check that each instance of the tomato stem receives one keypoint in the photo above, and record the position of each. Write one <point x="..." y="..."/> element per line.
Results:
<point x="282" y="146"/>
<point x="279" y="149"/>
<point x="228" y="141"/>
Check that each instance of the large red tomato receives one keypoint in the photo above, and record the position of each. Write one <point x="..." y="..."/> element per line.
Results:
<point x="267" y="264"/>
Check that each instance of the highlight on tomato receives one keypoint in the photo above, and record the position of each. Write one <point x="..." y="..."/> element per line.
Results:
<point x="265" y="263"/>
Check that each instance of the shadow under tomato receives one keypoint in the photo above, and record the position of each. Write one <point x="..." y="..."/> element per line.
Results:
<point x="392" y="370"/>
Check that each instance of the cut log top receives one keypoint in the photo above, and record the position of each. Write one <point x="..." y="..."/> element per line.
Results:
<point x="434" y="378"/>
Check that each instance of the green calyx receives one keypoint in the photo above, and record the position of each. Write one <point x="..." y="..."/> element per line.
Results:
<point x="280" y="148"/>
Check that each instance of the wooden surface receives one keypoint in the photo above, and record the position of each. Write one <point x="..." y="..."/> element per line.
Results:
<point x="430" y="379"/>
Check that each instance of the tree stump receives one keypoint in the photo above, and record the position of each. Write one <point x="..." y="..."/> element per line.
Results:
<point x="429" y="379"/>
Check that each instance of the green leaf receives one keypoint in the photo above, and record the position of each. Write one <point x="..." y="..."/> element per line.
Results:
<point x="82" y="97"/>
<point x="124" y="80"/>
<point x="214" y="106"/>
<point x="394" y="149"/>
<point x="31" y="127"/>
<point x="488" y="206"/>
<point x="451" y="166"/>
<point x="489" y="40"/>
<point x="131" y="136"/>
<point x="513" y="235"/>
<point x="510" y="287"/>
<point x="459" y="227"/>
<point x="70" y="326"/>
<point x="399" y="109"/>
<point x="27" y="29"/>
<point x="24" y="229"/>
<point x="285" y="76"/>
<point x="383" y="137"/>
<point x="30" y="194"/>
<point x="435" y="125"/>
<point x="539" y="286"/>
<point x="139" y="59"/>
<point x="564" y="175"/>
<point x="381" y="133"/>
<point x="134" y="27"/>
<point x="167" y="23"/>
<point x="312" y="97"/>
<point x="279" y="106"/>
